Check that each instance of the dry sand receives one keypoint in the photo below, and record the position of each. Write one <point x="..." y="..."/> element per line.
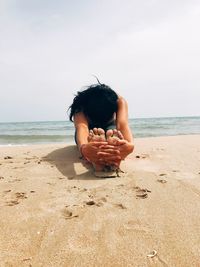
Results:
<point x="55" y="213"/>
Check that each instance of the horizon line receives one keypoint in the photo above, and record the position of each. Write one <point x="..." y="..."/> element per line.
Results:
<point x="165" y="117"/>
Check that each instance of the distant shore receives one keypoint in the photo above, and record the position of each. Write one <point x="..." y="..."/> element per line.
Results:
<point x="54" y="212"/>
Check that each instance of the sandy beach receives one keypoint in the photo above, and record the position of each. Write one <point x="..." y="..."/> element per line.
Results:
<point x="55" y="213"/>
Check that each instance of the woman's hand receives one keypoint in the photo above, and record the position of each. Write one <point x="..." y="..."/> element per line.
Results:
<point x="92" y="152"/>
<point x="122" y="149"/>
<point x="125" y="149"/>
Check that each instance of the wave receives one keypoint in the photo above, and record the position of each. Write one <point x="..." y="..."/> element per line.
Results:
<point x="63" y="131"/>
<point x="31" y="139"/>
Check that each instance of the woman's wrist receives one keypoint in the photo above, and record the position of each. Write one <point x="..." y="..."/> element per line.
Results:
<point x="126" y="149"/>
<point x="81" y="148"/>
<point x="82" y="151"/>
<point x="130" y="147"/>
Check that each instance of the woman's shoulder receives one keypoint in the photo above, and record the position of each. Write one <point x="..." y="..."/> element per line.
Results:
<point x="121" y="101"/>
<point x="80" y="117"/>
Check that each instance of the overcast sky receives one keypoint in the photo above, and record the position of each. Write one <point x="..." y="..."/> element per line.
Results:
<point x="147" y="50"/>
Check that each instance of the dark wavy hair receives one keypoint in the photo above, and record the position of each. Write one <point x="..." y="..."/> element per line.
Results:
<point x="98" y="102"/>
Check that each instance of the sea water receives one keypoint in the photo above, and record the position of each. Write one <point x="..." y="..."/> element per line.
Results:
<point x="23" y="133"/>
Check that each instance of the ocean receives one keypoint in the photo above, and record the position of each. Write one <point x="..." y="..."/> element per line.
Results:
<point x="24" y="133"/>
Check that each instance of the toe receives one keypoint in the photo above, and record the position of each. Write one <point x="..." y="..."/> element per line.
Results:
<point x="91" y="135"/>
<point x="95" y="130"/>
<point x="96" y="135"/>
<point x="109" y="134"/>
<point x="115" y="133"/>
<point x="120" y="135"/>
<point x="109" y="137"/>
<point x="101" y="133"/>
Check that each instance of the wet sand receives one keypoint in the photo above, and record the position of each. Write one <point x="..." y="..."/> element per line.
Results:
<point x="54" y="212"/>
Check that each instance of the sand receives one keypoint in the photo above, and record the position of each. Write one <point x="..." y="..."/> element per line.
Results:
<point x="54" y="212"/>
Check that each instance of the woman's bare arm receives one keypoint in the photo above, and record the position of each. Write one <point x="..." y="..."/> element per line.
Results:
<point x="124" y="128"/>
<point x="82" y="130"/>
<point x="122" y="120"/>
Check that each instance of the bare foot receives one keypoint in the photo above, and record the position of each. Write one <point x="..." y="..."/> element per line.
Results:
<point x="113" y="137"/>
<point x="97" y="135"/>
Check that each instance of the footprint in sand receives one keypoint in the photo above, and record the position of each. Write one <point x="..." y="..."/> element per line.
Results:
<point x="97" y="203"/>
<point x="162" y="181"/>
<point x="1" y="177"/>
<point x="68" y="214"/>
<point x="142" y="156"/>
<point x="18" y="196"/>
<point x="92" y="202"/>
<point x="7" y="157"/>
<point x="12" y="203"/>
<point x="120" y="205"/>
<point x="142" y="193"/>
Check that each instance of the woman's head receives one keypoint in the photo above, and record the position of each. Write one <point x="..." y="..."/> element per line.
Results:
<point x="98" y="102"/>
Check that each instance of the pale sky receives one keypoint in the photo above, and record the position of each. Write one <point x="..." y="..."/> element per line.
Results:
<point x="148" y="51"/>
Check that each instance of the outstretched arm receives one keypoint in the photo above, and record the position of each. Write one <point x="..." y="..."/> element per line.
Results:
<point x="124" y="128"/>
<point x="82" y="130"/>
<point x="122" y="120"/>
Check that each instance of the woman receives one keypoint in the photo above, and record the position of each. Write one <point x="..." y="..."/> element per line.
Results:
<point x="102" y="135"/>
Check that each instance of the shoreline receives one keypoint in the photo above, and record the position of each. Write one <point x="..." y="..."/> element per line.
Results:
<point x="54" y="212"/>
<point x="72" y="142"/>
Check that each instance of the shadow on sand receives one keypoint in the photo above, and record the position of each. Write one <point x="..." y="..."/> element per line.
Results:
<point x="65" y="159"/>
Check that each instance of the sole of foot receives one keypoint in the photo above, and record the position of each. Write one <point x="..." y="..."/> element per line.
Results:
<point x="113" y="136"/>
<point x="96" y="134"/>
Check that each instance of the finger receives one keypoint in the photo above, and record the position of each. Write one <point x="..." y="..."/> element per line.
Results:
<point x="106" y="156"/>
<point x="120" y="135"/>
<point x="101" y="143"/>
<point x="107" y="147"/>
<point x="108" y="152"/>
<point x="121" y="142"/>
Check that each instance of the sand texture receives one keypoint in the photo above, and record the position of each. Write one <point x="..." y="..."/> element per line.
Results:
<point x="55" y="213"/>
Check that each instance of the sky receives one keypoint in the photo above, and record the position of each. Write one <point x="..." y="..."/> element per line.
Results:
<point x="148" y="51"/>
